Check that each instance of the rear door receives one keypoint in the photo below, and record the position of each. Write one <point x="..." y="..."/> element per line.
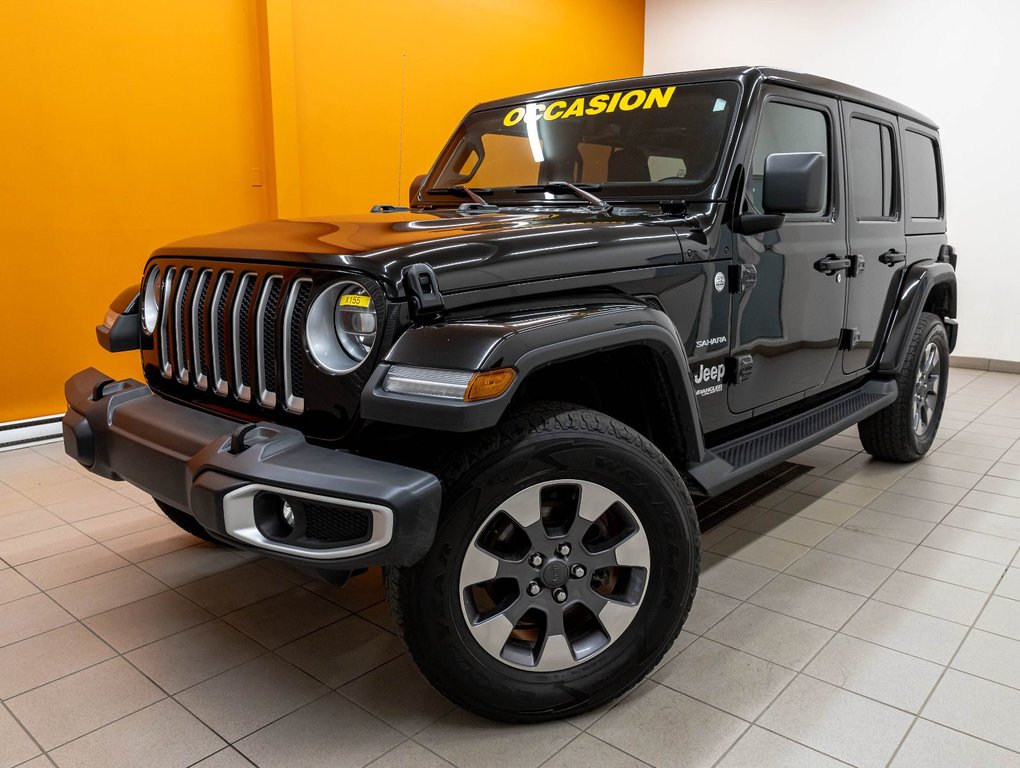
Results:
<point x="874" y="229"/>
<point x="787" y="324"/>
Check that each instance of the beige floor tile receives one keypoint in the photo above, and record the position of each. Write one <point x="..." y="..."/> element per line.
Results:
<point x="191" y="564"/>
<point x="979" y="438"/>
<point x="113" y="589"/>
<point x="398" y="695"/>
<point x="225" y="758"/>
<point x="992" y="657"/>
<point x="909" y="506"/>
<point x="1010" y="584"/>
<point x="92" y="504"/>
<point x="731" y="680"/>
<point x="847" y="493"/>
<point x="28" y="616"/>
<point x="230" y="590"/>
<point x="587" y="751"/>
<point x="867" y="547"/>
<point x="978" y="707"/>
<point x="120" y="523"/>
<point x="74" y="705"/>
<point x="972" y="544"/>
<point x="715" y="535"/>
<point x="708" y="609"/>
<point x="891" y="526"/>
<point x="144" y="621"/>
<point x="16" y="746"/>
<point x="923" y="489"/>
<point x="799" y="530"/>
<point x="824" y="510"/>
<point x="47" y="657"/>
<point x="342" y="651"/>
<point x="956" y="569"/>
<point x="357" y="594"/>
<point x="152" y="542"/>
<point x="733" y="578"/>
<point x="75" y="565"/>
<point x="285" y="617"/>
<point x="840" y="572"/>
<point x="876" y="474"/>
<point x="25" y="549"/>
<point x="930" y="745"/>
<point x="14" y="586"/>
<point x="964" y="463"/>
<point x="380" y="615"/>
<point x="663" y="727"/>
<point x="876" y="672"/>
<point x="759" y="748"/>
<point x="936" y="598"/>
<point x="328" y="733"/>
<point x="1000" y="485"/>
<point x="1004" y="469"/>
<point x="163" y="734"/>
<point x="945" y="475"/>
<point x="245" y="698"/>
<point x="751" y="547"/>
<point x="808" y="601"/>
<point x="918" y="634"/>
<point x="992" y="502"/>
<point x="411" y="754"/>
<point x="839" y="723"/>
<point x="189" y="657"/>
<point x="78" y="488"/>
<point x="770" y="635"/>
<point x="989" y="523"/>
<point x="11" y="502"/>
<point x="29" y="521"/>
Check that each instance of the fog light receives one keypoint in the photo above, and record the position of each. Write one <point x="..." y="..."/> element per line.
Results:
<point x="274" y="516"/>
<point x="288" y="514"/>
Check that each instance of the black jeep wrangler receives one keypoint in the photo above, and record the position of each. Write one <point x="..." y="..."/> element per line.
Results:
<point x="601" y="300"/>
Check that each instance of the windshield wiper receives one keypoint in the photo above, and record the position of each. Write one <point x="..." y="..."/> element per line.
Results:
<point x="566" y="186"/>
<point x="460" y="189"/>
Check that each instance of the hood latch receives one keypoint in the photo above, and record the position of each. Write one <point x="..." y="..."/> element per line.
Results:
<point x="422" y="291"/>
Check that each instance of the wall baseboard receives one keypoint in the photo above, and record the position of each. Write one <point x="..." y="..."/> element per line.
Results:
<point x="18" y="434"/>
<point x="985" y="364"/>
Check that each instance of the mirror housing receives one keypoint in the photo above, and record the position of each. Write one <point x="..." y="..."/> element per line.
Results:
<point x="794" y="182"/>
<point x="415" y="190"/>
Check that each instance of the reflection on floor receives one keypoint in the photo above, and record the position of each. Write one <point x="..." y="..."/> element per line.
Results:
<point x="863" y="613"/>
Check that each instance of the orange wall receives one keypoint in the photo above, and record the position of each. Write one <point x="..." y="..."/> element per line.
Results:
<point x="129" y="124"/>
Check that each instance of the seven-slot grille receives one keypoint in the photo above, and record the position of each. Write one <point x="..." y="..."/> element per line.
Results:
<point x="234" y="332"/>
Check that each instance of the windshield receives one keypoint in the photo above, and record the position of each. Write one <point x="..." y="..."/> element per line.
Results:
<point x="642" y="142"/>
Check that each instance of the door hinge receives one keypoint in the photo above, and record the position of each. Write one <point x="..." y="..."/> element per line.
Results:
<point x="743" y="277"/>
<point x="857" y="265"/>
<point x="738" y="368"/>
<point x="849" y="338"/>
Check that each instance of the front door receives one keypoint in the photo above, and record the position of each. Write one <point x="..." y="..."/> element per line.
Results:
<point x="874" y="228"/>
<point x="787" y="325"/>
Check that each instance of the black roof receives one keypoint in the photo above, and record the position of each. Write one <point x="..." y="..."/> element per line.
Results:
<point x="746" y="75"/>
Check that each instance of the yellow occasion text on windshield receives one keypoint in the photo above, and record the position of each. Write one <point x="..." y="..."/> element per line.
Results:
<point x="652" y="98"/>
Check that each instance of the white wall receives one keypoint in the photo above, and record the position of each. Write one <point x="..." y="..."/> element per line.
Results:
<point x="954" y="61"/>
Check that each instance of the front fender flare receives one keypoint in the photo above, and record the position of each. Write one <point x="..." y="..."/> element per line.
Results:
<point x="917" y="286"/>
<point x="527" y="342"/>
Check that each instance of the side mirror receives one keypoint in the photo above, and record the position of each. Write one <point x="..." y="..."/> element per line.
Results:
<point x="415" y="189"/>
<point x="794" y="182"/>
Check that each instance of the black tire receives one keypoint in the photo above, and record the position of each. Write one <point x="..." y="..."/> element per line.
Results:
<point x="542" y="444"/>
<point x="184" y="521"/>
<point x="890" y="434"/>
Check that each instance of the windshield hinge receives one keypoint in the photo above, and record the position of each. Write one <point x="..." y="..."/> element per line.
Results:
<point x="385" y="208"/>
<point x="422" y="291"/>
<point x="477" y="208"/>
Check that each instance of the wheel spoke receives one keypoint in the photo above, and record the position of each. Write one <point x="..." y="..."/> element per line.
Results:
<point x="555" y="654"/>
<point x="615" y="617"/>
<point x="632" y="551"/>
<point x="493" y="633"/>
<point x="933" y="383"/>
<point x="525" y="507"/>
<point x="478" y="566"/>
<point x="915" y="418"/>
<point x="594" y="501"/>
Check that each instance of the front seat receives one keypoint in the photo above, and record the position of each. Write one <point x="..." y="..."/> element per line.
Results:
<point x="628" y="164"/>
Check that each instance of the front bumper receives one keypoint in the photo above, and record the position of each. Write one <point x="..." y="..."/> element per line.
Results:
<point x="348" y="511"/>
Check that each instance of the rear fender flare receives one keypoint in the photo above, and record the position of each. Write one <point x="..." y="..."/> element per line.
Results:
<point x="918" y="283"/>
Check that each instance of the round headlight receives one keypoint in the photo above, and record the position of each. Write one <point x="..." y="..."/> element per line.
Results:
<point x="150" y="304"/>
<point x="341" y="327"/>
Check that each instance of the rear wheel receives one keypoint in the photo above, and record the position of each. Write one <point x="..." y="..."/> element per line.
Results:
<point x="905" y="430"/>
<point x="563" y="568"/>
<point x="184" y="520"/>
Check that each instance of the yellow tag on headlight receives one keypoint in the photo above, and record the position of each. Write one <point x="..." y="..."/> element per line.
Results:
<point x="354" y="300"/>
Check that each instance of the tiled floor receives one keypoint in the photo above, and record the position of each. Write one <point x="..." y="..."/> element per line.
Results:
<point x="867" y="614"/>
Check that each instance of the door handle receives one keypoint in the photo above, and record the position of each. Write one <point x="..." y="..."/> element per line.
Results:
<point x="892" y="257"/>
<point x="832" y="264"/>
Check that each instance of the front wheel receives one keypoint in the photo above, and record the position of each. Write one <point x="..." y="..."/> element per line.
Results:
<point x="565" y="563"/>
<point x="905" y="430"/>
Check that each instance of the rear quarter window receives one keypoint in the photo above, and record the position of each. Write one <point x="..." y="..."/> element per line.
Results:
<point x="924" y="189"/>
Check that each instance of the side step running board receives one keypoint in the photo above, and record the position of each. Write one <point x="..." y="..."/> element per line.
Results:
<point x="733" y="462"/>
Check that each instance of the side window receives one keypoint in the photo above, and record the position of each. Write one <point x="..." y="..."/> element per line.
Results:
<point x="922" y="173"/>
<point x="787" y="128"/>
<point x="872" y="170"/>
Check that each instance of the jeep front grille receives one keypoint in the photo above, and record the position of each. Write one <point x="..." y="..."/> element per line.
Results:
<point x="235" y="333"/>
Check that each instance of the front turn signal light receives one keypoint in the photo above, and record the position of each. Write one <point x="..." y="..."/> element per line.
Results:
<point x="485" y="385"/>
